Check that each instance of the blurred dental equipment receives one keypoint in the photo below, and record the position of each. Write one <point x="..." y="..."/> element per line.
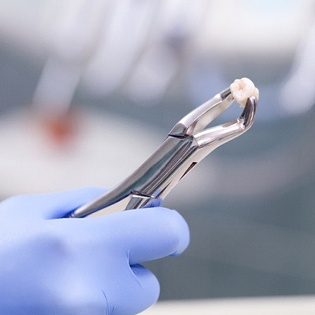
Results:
<point x="91" y="38"/>
<point x="72" y="42"/>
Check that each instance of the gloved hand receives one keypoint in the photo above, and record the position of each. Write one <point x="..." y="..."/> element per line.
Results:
<point x="50" y="265"/>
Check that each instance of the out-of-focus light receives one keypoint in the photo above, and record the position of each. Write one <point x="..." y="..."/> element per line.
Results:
<point x="298" y="92"/>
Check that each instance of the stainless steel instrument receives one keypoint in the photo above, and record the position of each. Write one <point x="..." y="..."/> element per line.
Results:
<point x="186" y="145"/>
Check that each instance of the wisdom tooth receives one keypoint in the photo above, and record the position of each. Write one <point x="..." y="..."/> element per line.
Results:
<point x="242" y="89"/>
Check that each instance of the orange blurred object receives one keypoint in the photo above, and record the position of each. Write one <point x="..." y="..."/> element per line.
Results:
<point x="61" y="128"/>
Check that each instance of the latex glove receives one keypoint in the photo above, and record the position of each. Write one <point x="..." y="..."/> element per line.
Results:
<point x="81" y="266"/>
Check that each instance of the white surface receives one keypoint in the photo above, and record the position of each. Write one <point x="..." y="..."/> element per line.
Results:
<point x="250" y="306"/>
<point x="106" y="149"/>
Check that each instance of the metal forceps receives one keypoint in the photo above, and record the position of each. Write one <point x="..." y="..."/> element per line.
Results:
<point x="185" y="146"/>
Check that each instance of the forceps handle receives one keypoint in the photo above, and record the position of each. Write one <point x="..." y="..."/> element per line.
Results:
<point x="152" y="180"/>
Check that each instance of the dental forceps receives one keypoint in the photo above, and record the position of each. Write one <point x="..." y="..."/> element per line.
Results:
<point x="185" y="146"/>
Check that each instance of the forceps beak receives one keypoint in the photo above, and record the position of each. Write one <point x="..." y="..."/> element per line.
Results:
<point x="195" y="122"/>
<point x="203" y="115"/>
<point x="249" y="112"/>
<point x="218" y="135"/>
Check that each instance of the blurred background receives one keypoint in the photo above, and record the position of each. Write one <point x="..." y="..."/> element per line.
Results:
<point x="89" y="88"/>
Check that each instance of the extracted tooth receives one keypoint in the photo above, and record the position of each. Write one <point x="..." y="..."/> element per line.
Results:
<point x="242" y="89"/>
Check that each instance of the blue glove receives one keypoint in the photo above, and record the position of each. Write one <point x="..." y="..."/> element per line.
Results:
<point x="50" y="265"/>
